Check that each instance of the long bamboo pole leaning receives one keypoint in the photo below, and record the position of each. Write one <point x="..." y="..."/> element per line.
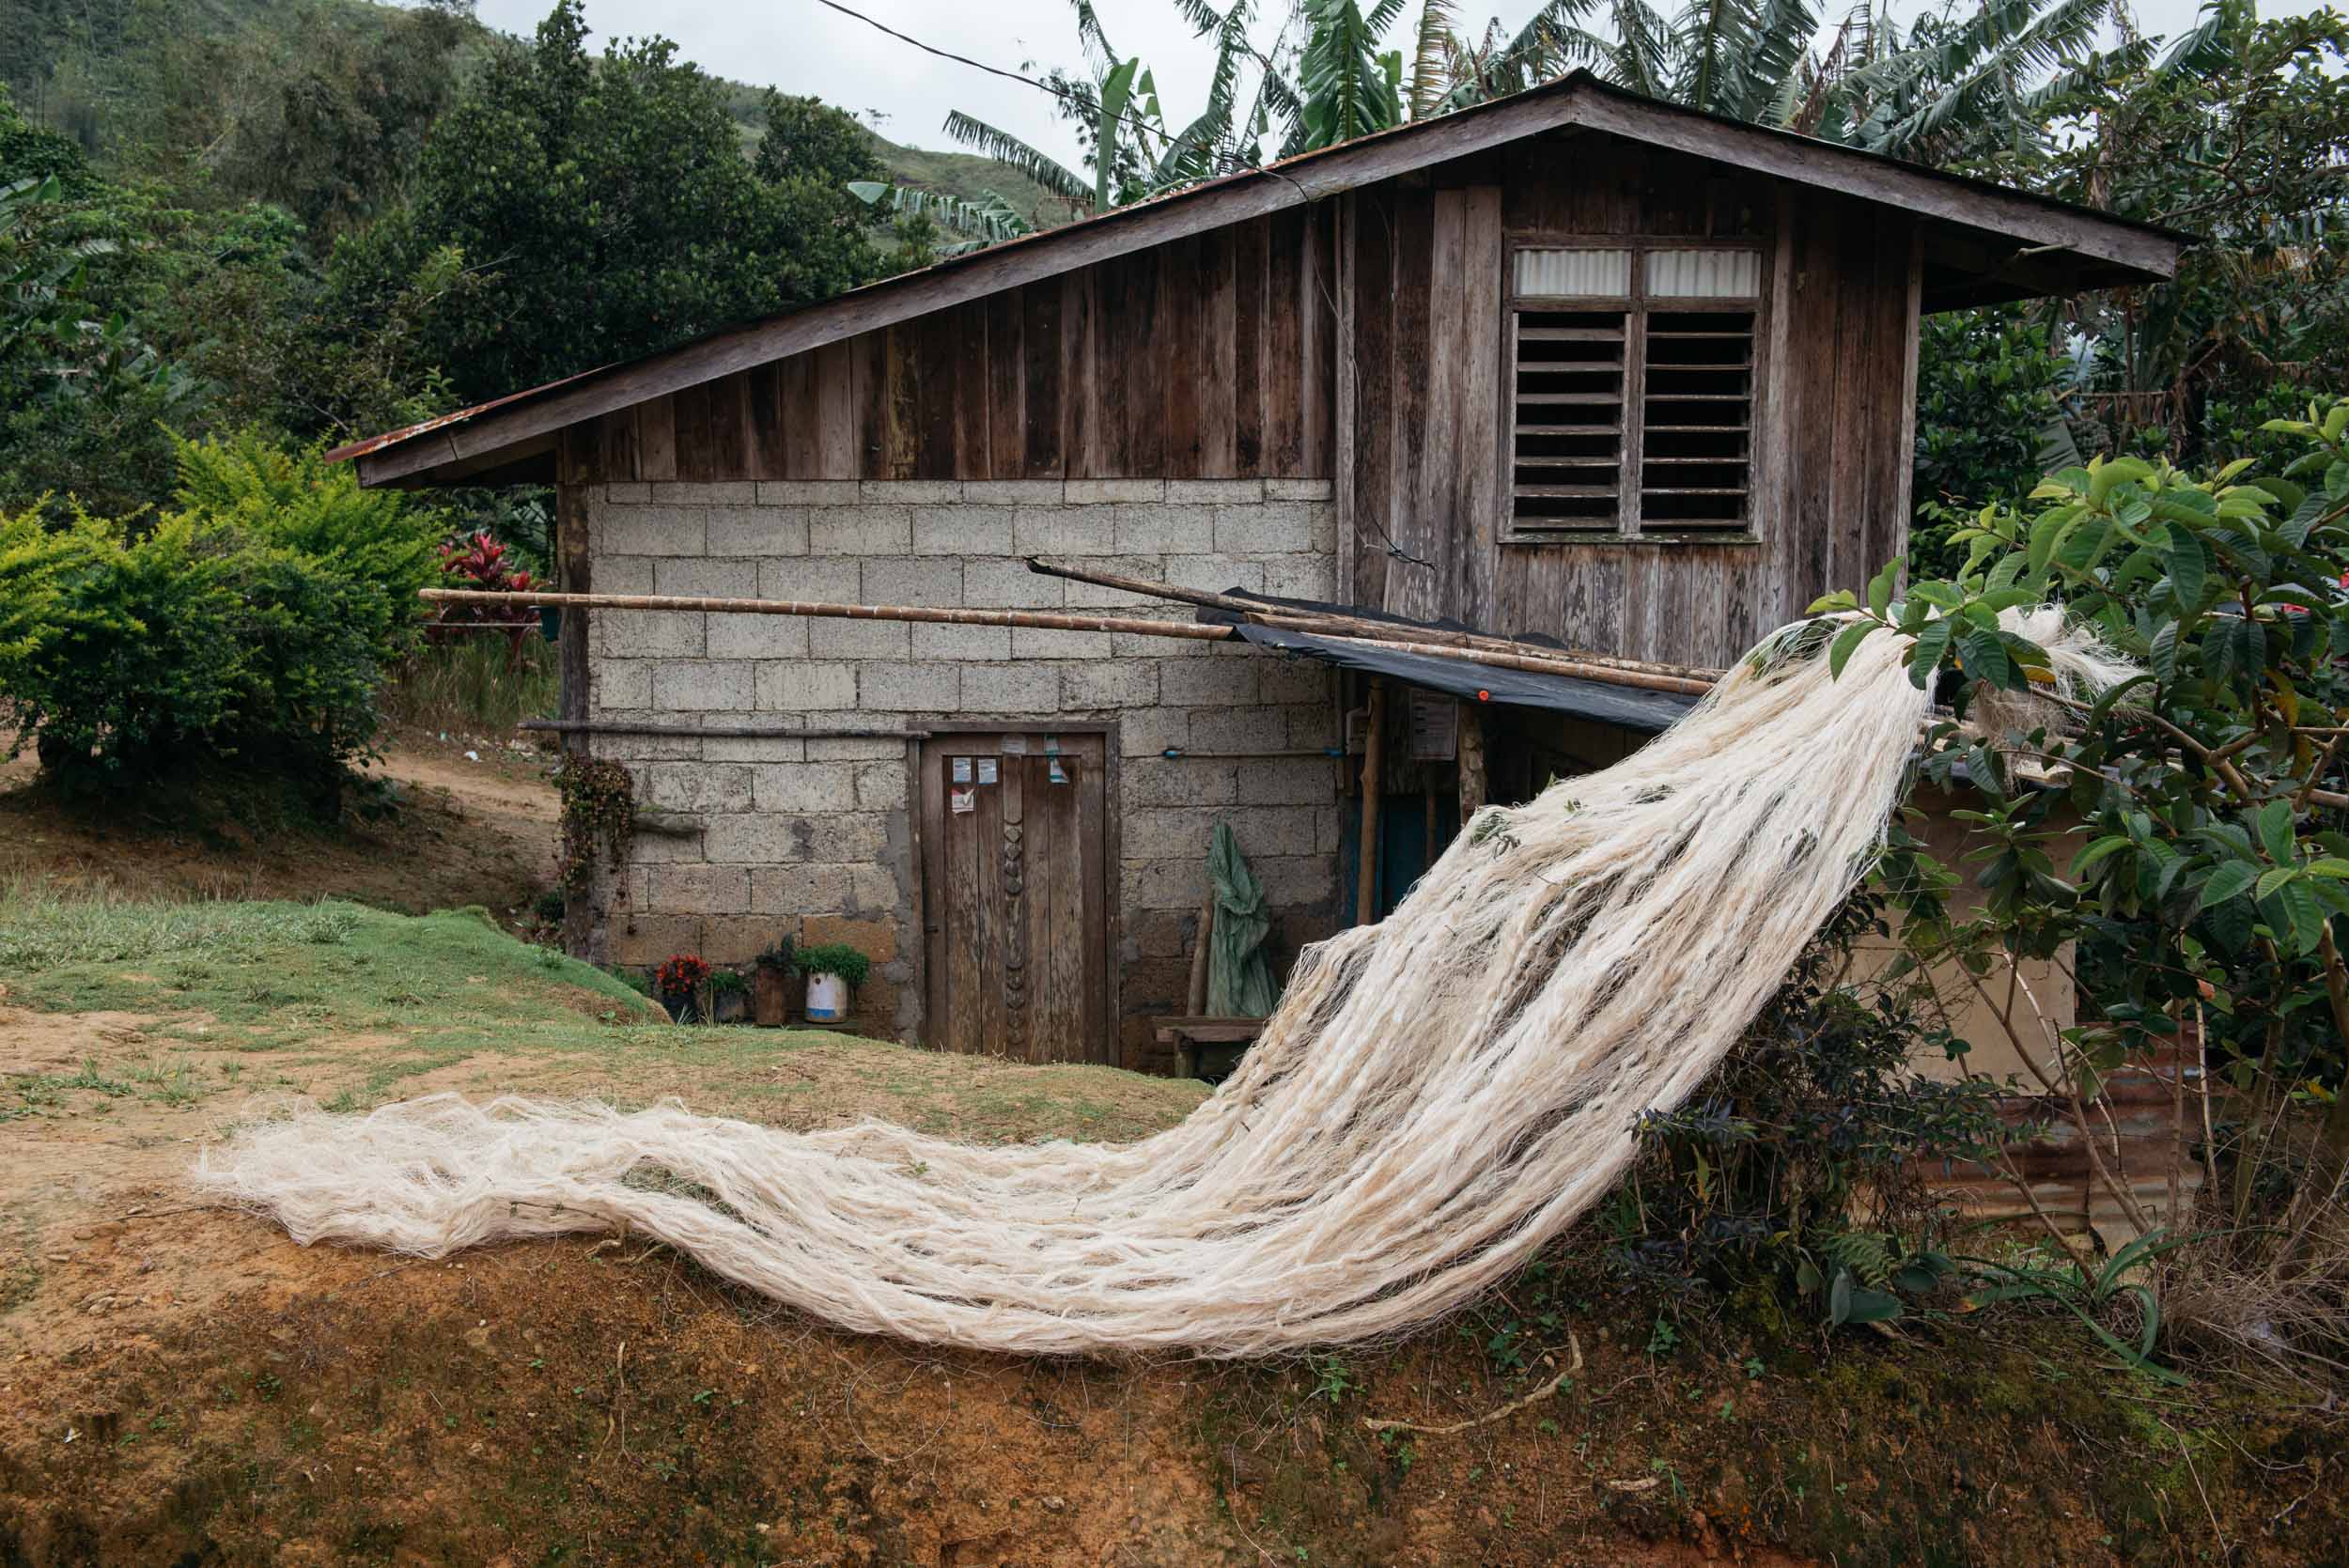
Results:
<point x="1325" y="622"/>
<point x="1056" y="621"/>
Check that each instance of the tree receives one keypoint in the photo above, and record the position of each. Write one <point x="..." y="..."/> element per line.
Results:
<point x="806" y="138"/>
<point x="2217" y="870"/>
<point x="607" y="210"/>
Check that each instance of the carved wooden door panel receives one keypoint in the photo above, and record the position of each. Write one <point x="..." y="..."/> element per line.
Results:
<point x="1014" y="896"/>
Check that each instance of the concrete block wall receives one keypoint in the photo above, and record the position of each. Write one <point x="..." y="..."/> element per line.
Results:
<point x="813" y="837"/>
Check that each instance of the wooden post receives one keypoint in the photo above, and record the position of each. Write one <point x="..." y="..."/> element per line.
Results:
<point x="1366" y="882"/>
<point x="1196" y="1002"/>
<point x="573" y="568"/>
<point x="1474" y="776"/>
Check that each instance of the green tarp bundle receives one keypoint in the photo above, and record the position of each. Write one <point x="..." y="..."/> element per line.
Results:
<point x="1239" y="983"/>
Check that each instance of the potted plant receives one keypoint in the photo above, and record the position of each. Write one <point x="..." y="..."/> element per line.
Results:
<point x="679" y="982"/>
<point x="729" y="996"/>
<point x="771" y="990"/>
<point x="833" y="969"/>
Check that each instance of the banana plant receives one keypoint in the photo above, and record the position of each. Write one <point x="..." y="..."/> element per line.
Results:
<point x="974" y="224"/>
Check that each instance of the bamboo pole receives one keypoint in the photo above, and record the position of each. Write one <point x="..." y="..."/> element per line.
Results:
<point x="1196" y="998"/>
<point x="1047" y="620"/>
<point x="1472" y="767"/>
<point x="1366" y="875"/>
<point x="1318" y="621"/>
<point x="1573" y="669"/>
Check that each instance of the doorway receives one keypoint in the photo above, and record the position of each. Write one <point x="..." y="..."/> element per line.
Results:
<point x="1016" y="896"/>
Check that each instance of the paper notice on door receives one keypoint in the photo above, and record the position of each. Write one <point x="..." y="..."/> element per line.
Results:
<point x="1014" y="745"/>
<point x="962" y="769"/>
<point x="1058" y="773"/>
<point x="960" y="800"/>
<point x="986" y="770"/>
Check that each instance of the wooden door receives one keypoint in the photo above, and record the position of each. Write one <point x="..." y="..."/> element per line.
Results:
<point x="1015" y="903"/>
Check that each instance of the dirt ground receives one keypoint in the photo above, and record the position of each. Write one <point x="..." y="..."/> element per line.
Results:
<point x="180" y="1384"/>
<point x="465" y="832"/>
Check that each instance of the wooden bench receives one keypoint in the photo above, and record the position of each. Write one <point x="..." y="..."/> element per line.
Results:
<point x="1187" y="1034"/>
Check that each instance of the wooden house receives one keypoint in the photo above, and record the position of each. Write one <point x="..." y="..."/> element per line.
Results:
<point x="1573" y="365"/>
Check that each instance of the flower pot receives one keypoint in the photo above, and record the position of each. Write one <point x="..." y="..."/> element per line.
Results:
<point x="827" y="998"/>
<point x="770" y="996"/>
<point x="732" y="1007"/>
<point x="682" y="1005"/>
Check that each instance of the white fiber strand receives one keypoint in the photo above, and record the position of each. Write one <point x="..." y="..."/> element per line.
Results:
<point x="1436" y="1097"/>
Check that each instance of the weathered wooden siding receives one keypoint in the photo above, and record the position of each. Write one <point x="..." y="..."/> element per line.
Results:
<point x="1207" y="358"/>
<point x="1425" y="257"/>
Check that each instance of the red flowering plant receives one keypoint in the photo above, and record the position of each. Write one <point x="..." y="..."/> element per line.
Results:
<point x="681" y="975"/>
<point x="477" y="562"/>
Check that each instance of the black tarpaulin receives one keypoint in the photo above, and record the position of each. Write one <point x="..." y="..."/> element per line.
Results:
<point x="1601" y="701"/>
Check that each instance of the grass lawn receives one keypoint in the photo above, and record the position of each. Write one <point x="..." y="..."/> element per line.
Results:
<point x="354" y="1006"/>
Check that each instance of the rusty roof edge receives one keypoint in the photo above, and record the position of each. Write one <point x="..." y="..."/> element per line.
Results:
<point x="1564" y="89"/>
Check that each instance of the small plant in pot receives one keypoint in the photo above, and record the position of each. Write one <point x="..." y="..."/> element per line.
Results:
<point x="679" y="982"/>
<point x="833" y="969"/>
<point x="729" y="996"/>
<point x="770" y="985"/>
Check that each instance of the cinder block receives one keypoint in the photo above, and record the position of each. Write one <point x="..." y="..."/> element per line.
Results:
<point x="1178" y="782"/>
<point x="721" y="748"/>
<point x="1301" y="577"/>
<point x="705" y="492"/>
<point x="1295" y="881"/>
<point x="936" y="584"/>
<point x="1329" y="829"/>
<point x="827" y="638"/>
<point x="646" y="940"/>
<point x="621" y="574"/>
<point x="1293" y="680"/>
<point x="628" y="492"/>
<point x="1272" y="829"/>
<point x="694" y="786"/>
<point x="715" y="576"/>
<point x="1160" y="933"/>
<point x="758" y="531"/>
<point x="1287" y="780"/>
<point x="643" y="748"/>
<point x="1201" y="682"/>
<point x="888" y="688"/>
<point x="909" y="493"/>
<point x="702" y="889"/>
<point x="962" y="531"/>
<point x="1170" y="834"/>
<point x="1238" y="730"/>
<point x="1314" y="724"/>
<point x="1213" y="493"/>
<point x="619" y="683"/>
<point x="1166" y="529"/>
<point x="1010" y="688"/>
<point x="1012" y="492"/>
<point x="759" y="838"/>
<point x="855" y="749"/>
<point x="805" y="686"/>
<point x="830" y="580"/>
<point x="651" y="849"/>
<point x="1163" y="884"/>
<point x="882" y="786"/>
<point x="1029" y="641"/>
<point x="1086" y="596"/>
<point x="804" y="788"/>
<point x="1215" y="574"/>
<point x="1300" y="489"/>
<point x="1062" y="530"/>
<point x="652" y="531"/>
<point x="1269" y="528"/>
<point x="702" y="685"/>
<point x="792" y="891"/>
<point x="757" y="637"/>
<point x="875" y="938"/>
<point x="851" y="838"/>
<point x="734" y="940"/>
<point x="941" y="640"/>
<point x="1109" y="683"/>
<point x="1010" y="585"/>
<point x="1088" y="492"/>
<point x="872" y="890"/>
<point x="807" y="493"/>
<point x="1147" y="731"/>
<point x="859" y="530"/>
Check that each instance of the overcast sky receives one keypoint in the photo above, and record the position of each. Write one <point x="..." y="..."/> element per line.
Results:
<point x="804" y="47"/>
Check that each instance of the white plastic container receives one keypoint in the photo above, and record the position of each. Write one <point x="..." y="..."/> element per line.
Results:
<point x="827" y="998"/>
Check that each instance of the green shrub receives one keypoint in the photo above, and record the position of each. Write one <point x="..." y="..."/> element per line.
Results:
<point x="250" y="626"/>
<point x="833" y="958"/>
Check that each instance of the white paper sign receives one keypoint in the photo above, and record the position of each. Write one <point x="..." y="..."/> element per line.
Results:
<point x="986" y="770"/>
<point x="960" y="800"/>
<point x="962" y="769"/>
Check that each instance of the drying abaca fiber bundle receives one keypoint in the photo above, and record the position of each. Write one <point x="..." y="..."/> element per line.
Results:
<point x="1433" y="1099"/>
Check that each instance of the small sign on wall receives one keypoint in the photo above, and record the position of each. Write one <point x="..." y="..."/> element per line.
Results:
<point x="961" y="800"/>
<point x="962" y="769"/>
<point x="988" y="770"/>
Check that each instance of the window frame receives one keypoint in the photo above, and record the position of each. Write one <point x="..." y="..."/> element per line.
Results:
<point x="1636" y="306"/>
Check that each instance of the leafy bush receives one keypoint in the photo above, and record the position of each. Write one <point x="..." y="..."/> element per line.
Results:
<point x="1799" y="1171"/>
<point x="253" y="625"/>
<point x="833" y="958"/>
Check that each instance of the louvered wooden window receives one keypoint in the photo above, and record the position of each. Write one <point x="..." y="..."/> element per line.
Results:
<point x="1631" y="383"/>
